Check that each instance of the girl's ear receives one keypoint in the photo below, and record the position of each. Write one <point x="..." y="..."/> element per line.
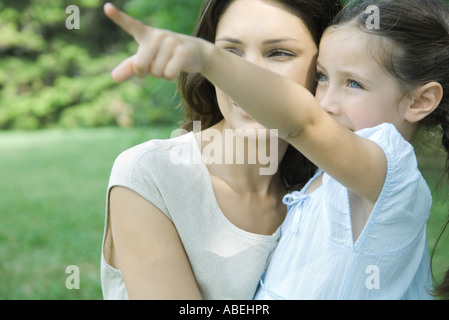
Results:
<point x="425" y="100"/>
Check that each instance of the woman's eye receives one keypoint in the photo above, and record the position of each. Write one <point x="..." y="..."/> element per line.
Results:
<point x="234" y="51"/>
<point x="280" y="54"/>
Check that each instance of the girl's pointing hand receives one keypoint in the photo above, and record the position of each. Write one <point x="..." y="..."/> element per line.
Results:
<point x="161" y="53"/>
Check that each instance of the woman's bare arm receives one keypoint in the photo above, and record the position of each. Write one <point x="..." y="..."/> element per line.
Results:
<point x="148" y="250"/>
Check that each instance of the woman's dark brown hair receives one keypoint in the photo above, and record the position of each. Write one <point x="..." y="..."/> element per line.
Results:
<point x="416" y="53"/>
<point x="199" y="96"/>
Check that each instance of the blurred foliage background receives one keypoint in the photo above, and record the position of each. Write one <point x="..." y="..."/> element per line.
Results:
<point x="51" y="76"/>
<point x="55" y="93"/>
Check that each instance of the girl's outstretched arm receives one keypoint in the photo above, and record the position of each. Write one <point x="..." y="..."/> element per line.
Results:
<point x="272" y="100"/>
<point x="279" y="103"/>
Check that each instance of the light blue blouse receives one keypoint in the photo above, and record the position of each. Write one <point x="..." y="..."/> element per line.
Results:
<point x="317" y="258"/>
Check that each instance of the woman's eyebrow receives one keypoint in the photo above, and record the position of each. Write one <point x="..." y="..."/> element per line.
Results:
<point x="228" y="39"/>
<point x="266" y="42"/>
<point x="274" y="41"/>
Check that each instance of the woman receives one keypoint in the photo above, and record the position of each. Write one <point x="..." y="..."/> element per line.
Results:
<point x="194" y="229"/>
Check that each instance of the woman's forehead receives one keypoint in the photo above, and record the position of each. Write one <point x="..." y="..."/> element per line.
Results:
<point x="260" y="17"/>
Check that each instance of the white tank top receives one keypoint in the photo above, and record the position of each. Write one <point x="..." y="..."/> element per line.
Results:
<point x="227" y="262"/>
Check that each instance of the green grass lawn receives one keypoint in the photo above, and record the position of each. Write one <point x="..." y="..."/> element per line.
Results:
<point x="52" y="198"/>
<point x="432" y="166"/>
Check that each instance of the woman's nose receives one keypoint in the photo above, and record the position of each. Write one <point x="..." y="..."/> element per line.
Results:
<point x="255" y="58"/>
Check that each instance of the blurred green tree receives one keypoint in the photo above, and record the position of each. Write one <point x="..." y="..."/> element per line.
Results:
<point x="54" y="76"/>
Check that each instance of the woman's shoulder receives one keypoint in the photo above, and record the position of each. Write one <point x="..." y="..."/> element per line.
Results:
<point x="153" y="158"/>
<point x="150" y="169"/>
<point x="156" y="149"/>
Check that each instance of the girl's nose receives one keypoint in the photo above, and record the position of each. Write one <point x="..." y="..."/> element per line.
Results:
<point x="332" y="108"/>
<point x="329" y="102"/>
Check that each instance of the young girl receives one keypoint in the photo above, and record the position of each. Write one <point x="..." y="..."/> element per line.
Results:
<point x="337" y="242"/>
<point x="358" y="228"/>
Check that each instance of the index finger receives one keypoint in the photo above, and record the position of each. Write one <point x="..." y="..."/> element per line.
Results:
<point x="132" y="26"/>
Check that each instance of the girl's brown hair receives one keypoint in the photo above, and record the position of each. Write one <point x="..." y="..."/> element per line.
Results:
<point x="199" y="96"/>
<point x="416" y="53"/>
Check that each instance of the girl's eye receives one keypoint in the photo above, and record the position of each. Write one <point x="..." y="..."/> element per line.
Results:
<point x="321" y="77"/>
<point x="354" y="84"/>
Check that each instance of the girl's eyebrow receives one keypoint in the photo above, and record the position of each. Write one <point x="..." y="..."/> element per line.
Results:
<point x="348" y="74"/>
<point x="357" y="76"/>
<point x="320" y="66"/>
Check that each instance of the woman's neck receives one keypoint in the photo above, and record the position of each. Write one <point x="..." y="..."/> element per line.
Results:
<point x="246" y="161"/>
